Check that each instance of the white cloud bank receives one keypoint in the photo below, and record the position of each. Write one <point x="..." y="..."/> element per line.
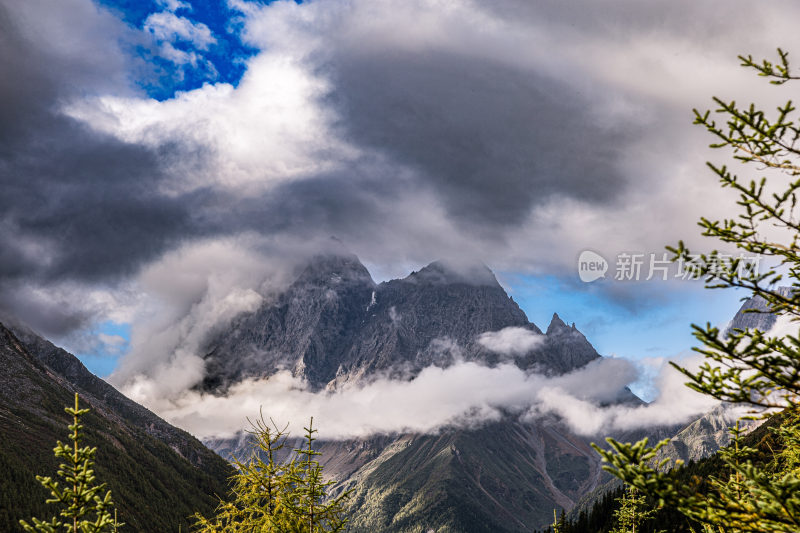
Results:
<point x="464" y="395"/>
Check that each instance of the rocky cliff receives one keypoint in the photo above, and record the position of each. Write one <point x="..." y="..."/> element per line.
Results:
<point x="755" y="313"/>
<point x="334" y="325"/>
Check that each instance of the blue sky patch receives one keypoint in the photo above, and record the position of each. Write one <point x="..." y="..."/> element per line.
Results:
<point x="177" y="63"/>
<point x="660" y="328"/>
<point x="113" y="342"/>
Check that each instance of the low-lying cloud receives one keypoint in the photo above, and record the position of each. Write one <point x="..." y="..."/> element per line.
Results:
<point x="510" y="341"/>
<point x="465" y="394"/>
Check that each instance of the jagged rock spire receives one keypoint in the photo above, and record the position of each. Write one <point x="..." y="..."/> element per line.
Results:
<point x="556" y="324"/>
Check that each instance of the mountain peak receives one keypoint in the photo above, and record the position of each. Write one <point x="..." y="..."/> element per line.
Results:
<point x="335" y="267"/>
<point x="755" y="313"/>
<point x="556" y="325"/>
<point x="446" y="272"/>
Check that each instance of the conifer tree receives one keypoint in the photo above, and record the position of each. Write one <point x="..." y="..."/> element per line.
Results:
<point x="85" y="508"/>
<point x="744" y="366"/>
<point x="311" y="505"/>
<point x="557" y="524"/>
<point x="259" y="487"/>
<point x="273" y="496"/>
<point x="632" y="511"/>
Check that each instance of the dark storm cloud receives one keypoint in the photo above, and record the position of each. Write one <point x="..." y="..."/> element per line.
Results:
<point x="620" y="19"/>
<point x="92" y="199"/>
<point x="455" y="136"/>
<point x="495" y="141"/>
<point x="487" y="140"/>
<point x="341" y="203"/>
<point x="78" y="205"/>
<point x="75" y="204"/>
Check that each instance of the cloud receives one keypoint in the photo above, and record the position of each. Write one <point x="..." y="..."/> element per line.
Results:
<point x="169" y="27"/>
<point x="510" y="341"/>
<point x="80" y="210"/>
<point x="516" y="152"/>
<point x="174" y="5"/>
<point x="675" y="403"/>
<point x="508" y="132"/>
<point x="192" y="291"/>
<point x="465" y="394"/>
<point x="111" y="340"/>
<point x="242" y="141"/>
<point x="517" y="133"/>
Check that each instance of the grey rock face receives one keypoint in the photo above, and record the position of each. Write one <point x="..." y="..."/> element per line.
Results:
<point x="755" y="313"/>
<point x="334" y="324"/>
<point x="307" y="329"/>
<point x="564" y="349"/>
<point x="706" y="435"/>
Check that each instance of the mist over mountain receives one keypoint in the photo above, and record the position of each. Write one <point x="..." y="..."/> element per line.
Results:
<point x="353" y="343"/>
<point x="440" y="404"/>
<point x="334" y="325"/>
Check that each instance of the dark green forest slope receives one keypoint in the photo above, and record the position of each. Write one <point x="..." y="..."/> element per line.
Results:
<point x="158" y="475"/>
<point x="600" y="517"/>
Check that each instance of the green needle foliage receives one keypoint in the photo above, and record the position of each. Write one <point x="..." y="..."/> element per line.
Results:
<point x="631" y="512"/>
<point x="85" y="508"/>
<point x="259" y="488"/>
<point x="310" y="506"/>
<point x="745" y="366"/>
<point x="558" y="523"/>
<point x="272" y="496"/>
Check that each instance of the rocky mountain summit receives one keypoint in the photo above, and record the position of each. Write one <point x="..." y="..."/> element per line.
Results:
<point x="710" y="432"/>
<point x="334" y="324"/>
